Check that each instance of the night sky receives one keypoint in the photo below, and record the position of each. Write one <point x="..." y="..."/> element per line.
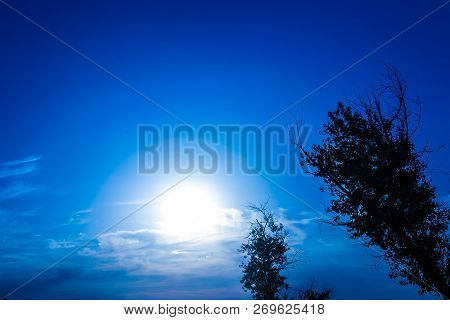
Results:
<point x="68" y="152"/>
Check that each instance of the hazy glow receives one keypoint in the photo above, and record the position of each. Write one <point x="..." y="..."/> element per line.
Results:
<point x="189" y="212"/>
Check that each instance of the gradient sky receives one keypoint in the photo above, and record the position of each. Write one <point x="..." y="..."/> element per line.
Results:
<point x="68" y="133"/>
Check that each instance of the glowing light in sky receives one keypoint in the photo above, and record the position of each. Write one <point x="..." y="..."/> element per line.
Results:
<point x="189" y="212"/>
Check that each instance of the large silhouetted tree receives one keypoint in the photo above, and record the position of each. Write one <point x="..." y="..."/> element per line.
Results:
<point x="266" y="257"/>
<point x="380" y="191"/>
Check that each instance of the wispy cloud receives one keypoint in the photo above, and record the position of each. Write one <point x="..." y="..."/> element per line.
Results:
<point x="54" y="244"/>
<point x="153" y="251"/>
<point x="128" y="203"/>
<point x="18" y="167"/>
<point x="11" y="171"/>
<point x="13" y="185"/>
<point x="26" y="160"/>
<point x="140" y="252"/>
<point x="80" y="217"/>
<point x="295" y="227"/>
<point x="84" y="211"/>
<point x="14" y="169"/>
<point x="15" y="189"/>
<point x="70" y="242"/>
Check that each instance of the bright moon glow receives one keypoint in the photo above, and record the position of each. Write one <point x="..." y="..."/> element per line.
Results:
<point x="189" y="212"/>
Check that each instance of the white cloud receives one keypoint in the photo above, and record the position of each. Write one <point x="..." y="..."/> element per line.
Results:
<point x="296" y="235"/>
<point x="87" y="252"/>
<point x="84" y="211"/>
<point x="128" y="203"/>
<point x="80" y="217"/>
<point x="71" y="242"/>
<point x="54" y="244"/>
<point x="126" y="240"/>
<point x="11" y="171"/>
<point x="15" y="189"/>
<point x="21" y="161"/>
<point x="148" y="251"/>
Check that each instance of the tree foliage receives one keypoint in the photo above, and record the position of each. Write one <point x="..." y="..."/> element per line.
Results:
<point x="314" y="292"/>
<point x="266" y="257"/>
<point x="377" y="179"/>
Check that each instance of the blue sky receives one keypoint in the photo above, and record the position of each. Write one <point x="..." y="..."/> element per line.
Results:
<point x="68" y="147"/>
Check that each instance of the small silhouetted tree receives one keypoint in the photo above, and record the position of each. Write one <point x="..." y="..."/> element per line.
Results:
<point x="314" y="292"/>
<point x="266" y="257"/>
<point x="378" y="183"/>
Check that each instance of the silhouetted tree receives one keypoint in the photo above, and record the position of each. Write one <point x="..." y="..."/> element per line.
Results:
<point x="266" y="257"/>
<point x="314" y="292"/>
<point x="378" y="182"/>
